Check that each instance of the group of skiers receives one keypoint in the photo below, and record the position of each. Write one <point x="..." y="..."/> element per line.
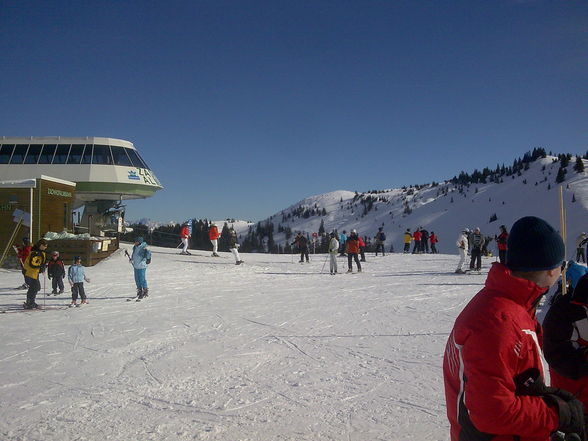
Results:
<point x="214" y="236"/>
<point x="34" y="262"/>
<point x="493" y="373"/>
<point x="474" y="244"/>
<point x="494" y="377"/>
<point x="422" y="238"/>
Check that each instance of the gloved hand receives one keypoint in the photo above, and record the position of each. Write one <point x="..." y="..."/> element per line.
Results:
<point x="569" y="409"/>
<point x="49" y="276"/>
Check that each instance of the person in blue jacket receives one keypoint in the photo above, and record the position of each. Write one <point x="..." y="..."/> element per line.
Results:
<point x="575" y="272"/>
<point x="76" y="277"/>
<point x="140" y="258"/>
<point x="342" y="241"/>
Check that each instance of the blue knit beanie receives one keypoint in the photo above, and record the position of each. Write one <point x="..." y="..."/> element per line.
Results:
<point x="534" y="245"/>
<point x="139" y="239"/>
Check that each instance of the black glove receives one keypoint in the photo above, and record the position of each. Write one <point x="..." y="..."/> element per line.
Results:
<point x="49" y="276"/>
<point x="569" y="409"/>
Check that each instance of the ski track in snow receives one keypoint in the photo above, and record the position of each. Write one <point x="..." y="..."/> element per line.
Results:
<point x="269" y="350"/>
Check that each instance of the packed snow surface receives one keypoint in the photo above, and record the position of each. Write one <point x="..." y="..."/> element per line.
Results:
<point x="265" y="351"/>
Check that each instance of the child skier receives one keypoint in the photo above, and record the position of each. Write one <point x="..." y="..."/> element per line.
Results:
<point x="76" y="277"/>
<point x="56" y="272"/>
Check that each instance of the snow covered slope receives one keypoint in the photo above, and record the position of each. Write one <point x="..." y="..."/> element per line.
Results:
<point x="444" y="209"/>
<point x="269" y="350"/>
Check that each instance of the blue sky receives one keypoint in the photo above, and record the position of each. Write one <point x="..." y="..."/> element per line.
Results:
<point x="242" y="108"/>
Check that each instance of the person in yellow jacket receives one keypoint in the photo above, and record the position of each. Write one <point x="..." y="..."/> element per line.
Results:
<point x="407" y="240"/>
<point x="33" y="265"/>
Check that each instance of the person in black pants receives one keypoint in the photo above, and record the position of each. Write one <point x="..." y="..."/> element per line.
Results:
<point x="476" y="252"/>
<point x="56" y="272"/>
<point x="33" y="266"/>
<point x="302" y="243"/>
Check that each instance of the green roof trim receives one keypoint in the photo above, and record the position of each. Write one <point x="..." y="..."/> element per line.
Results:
<point x="117" y="188"/>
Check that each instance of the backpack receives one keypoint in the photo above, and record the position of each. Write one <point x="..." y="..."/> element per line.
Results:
<point x="147" y="255"/>
<point x="382" y="236"/>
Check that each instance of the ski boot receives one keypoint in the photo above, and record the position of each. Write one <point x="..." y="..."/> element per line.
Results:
<point x="140" y="294"/>
<point x="73" y="304"/>
<point x="27" y="305"/>
<point x="145" y="292"/>
<point x="214" y="255"/>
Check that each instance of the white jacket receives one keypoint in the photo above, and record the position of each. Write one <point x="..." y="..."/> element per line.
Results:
<point x="333" y="246"/>
<point x="462" y="241"/>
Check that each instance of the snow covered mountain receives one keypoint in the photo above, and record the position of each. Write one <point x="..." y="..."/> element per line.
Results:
<point x="499" y="197"/>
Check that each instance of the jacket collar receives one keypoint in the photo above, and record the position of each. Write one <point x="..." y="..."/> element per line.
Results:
<point x="503" y="284"/>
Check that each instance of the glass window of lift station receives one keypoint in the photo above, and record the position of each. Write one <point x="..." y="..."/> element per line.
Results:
<point x="61" y="154"/>
<point x="33" y="154"/>
<point x="6" y="153"/>
<point x="102" y="155"/>
<point x="87" y="156"/>
<point x="20" y="151"/>
<point x="47" y="154"/>
<point x="136" y="159"/>
<point x="119" y="156"/>
<point x="75" y="154"/>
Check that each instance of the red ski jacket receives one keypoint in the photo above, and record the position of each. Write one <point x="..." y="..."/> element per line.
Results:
<point x="23" y="252"/>
<point x="433" y="238"/>
<point x="501" y="241"/>
<point x="213" y="233"/>
<point x="185" y="233"/>
<point x="352" y="245"/>
<point x="361" y="242"/>
<point x="495" y="338"/>
<point x="417" y="236"/>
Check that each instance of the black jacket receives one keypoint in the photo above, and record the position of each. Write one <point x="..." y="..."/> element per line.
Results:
<point x="55" y="268"/>
<point x="564" y="333"/>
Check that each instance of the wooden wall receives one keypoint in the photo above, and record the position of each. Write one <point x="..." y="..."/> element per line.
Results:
<point x="52" y="208"/>
<point x="10" y="200"/>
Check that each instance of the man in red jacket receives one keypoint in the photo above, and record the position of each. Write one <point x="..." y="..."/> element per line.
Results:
<point x="492" y="366"/>
<point x="185" y="235"/>
<point x="213" y="235"/>
<point x="23" y="252"/>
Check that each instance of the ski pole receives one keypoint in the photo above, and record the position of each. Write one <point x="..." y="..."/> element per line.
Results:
<point x="44" y="290"/>
<point x="324" y="263"/>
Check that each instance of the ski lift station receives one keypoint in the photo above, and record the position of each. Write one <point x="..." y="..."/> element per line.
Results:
<point x="46" y="181"/>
